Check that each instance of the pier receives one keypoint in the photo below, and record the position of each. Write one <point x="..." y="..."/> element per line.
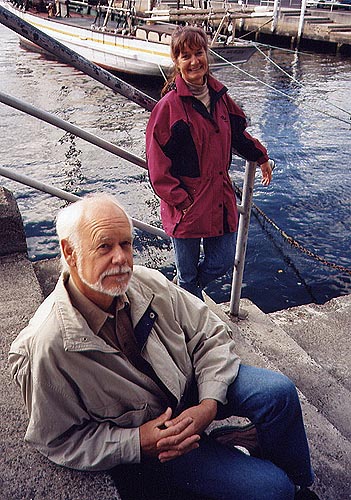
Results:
<point x="324" y="30"/>
<point x="310" y="344"/>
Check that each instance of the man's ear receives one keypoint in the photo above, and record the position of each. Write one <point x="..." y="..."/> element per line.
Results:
<point x="68" y="253"/>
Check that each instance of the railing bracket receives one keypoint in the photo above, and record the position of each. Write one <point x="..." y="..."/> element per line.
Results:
<point x="242" y="315"/>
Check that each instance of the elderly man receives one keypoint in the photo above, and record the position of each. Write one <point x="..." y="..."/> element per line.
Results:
<point x="120" y="369"/>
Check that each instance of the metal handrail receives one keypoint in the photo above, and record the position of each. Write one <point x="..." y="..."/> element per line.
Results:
<point x="70" y="57"/>
<point x="244" y="208"/>
<point x="64" y="195"/>
<point x="244" y="221"/>
<point x="69" y="127"/>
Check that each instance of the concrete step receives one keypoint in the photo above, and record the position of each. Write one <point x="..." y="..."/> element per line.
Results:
<point x="261" y="342"/>
<point x="318" y="20"/>
<point x="340" y="30"/>
<point x="320" y="387"/>
<point x="291" y="12"/>
<point x="324" y="332"/>
<point x="25" y="474"/>
<point x="341" y="26"/>
<point x="308" y="18"/>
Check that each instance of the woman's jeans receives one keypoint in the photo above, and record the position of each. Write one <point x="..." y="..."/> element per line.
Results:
<point x="195" y="273"/>
<point x="214" y="471"/>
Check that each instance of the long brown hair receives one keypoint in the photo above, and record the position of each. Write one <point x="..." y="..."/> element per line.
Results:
<point x="192" y="37"/>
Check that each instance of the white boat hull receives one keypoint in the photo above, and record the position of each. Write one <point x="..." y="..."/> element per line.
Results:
<point x="117" y="52"/>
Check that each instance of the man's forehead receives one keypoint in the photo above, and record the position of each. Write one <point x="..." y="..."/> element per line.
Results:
<point x="103" y="209"/>
<point x="109" y="235"/>
<point x="105" y="222"/>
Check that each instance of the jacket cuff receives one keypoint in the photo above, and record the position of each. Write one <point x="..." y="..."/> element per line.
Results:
<point x="129" y="451"/>
<point x="263" y="159"/>
<point x="213" y="390"/>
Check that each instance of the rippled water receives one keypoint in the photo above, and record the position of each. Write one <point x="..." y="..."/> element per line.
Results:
<point x="308" y="200"/>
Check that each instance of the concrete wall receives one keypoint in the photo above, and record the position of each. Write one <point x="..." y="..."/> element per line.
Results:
<point x="24" y="473"/>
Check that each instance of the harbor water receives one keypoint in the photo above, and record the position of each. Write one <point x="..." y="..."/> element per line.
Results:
<point x="302" y="115"/>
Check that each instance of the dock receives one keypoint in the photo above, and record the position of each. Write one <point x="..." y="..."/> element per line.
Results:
<point x="324" y="31"/>
<point x="310" y="344"/>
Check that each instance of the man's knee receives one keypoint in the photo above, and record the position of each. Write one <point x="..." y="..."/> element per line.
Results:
<point x="279" y="489"/>
<point x="264" y="482"/>
<point x="283" y="389"/>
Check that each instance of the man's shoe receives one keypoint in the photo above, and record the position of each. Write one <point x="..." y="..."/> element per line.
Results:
<point x="242" y="436"/>
<point x="306" y="494"/>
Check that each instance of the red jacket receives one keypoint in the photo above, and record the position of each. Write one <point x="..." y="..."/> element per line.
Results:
<point x="189" y="154"/>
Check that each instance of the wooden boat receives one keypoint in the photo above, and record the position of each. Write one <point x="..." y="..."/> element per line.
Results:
<point x="126" y="43"/>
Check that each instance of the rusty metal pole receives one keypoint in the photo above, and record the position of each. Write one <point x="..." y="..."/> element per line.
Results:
<point x="241" y="242"/>
<point x="68" y="56"/>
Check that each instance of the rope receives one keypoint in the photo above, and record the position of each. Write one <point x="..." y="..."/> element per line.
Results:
<point x="257" y="30"/>
<point x="292" y="241"/>
<point x="269" y="59"/>
<point x="162" y="72"/>
<point x="277" y="91"/>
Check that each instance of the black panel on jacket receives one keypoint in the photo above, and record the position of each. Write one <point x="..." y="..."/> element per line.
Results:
<point x="181" y="150"/>
<point x="243" y="146"/>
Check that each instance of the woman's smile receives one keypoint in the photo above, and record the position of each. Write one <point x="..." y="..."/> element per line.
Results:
<point x="193" y="65"/>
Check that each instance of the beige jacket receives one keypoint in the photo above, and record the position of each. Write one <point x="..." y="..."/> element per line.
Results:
<point x="85" y="401"/>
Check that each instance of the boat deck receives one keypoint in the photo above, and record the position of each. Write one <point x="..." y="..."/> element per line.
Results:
<point x="120" y="46"/>
<point x="151" y="31"/>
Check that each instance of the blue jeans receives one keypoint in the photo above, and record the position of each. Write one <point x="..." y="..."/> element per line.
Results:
<point x="194" y="272"/>
<point x="216" y="472"/>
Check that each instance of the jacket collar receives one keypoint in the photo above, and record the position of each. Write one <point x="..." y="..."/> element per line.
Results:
<point x="140" y="296"/>
<point x="94" y="315"/>
<point x="216" y="86"/>
<point x="77" y="335"/>
<point x="76" y="332"/>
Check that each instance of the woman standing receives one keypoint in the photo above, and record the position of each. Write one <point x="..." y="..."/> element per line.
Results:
<point x="190" y="137"/>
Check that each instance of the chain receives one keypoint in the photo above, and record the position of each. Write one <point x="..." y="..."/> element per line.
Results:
<point x="294" y="243"/>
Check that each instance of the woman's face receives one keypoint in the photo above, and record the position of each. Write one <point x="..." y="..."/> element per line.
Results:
<point x="193" y="65"/>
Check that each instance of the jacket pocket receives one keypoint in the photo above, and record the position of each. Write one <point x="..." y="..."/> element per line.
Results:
<point x="181" y="150"/>
<point x="178" y="220"/>
<point x="122" y="417"/>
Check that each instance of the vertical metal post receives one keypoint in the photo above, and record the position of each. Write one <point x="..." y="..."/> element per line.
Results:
<point x="301" y="23"/>
<point x="275" y="15"/>
<point x="241" y="243"/>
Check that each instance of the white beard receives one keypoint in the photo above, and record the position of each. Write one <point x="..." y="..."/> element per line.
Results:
<point x="114" y="290"/>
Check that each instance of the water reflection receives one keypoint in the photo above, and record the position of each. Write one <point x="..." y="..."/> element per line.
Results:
<point x="309" y="198"/>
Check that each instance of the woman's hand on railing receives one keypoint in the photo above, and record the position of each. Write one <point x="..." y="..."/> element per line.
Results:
<point x="267" y="172"/>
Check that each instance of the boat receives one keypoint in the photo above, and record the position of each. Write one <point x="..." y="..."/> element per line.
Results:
<point x="116" y="38"/>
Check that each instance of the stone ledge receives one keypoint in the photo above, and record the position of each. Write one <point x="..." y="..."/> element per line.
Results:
<point x="12" y="236"/>
<point x="24" y="473"/>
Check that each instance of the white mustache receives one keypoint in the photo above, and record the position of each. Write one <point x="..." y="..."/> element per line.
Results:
<point x="116" y="271"/>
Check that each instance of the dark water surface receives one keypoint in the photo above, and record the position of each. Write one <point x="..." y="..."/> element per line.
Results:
<point x="309" y="198"/>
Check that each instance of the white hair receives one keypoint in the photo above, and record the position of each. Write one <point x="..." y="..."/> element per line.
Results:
<point x="68" y="220"/>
